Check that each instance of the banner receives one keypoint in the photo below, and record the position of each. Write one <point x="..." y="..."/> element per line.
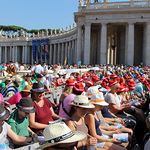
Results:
<point x="40" y="49"/>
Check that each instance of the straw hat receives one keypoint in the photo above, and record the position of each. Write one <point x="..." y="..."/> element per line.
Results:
<point x="59" y="132"/>
<point x="27" y="88"/>
<point x="82" y="101"/>
<point x="98" y="99"/>
<point x="92" y="90"/>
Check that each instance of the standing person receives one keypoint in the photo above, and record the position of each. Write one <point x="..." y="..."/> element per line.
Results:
<point x="44" y="112"/>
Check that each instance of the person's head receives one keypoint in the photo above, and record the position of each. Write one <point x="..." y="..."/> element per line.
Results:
<point x="25" y="106"/>
<point x="80" y="105"/>
<point x="37" y="91"/>
<point x="92" y="91"/>
<point x="26" y="91"/>
<point x="114" y="85"/>
<point x="98" y="101"/>
<point x="4" y="113"/>
<point x="59" y="136"/>
<point x="78" y="88"/>
<point x="39" y="77"/>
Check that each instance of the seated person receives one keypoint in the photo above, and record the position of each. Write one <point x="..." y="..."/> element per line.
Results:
<point x="80" y="106"/>
<point x="93" y="124"/>
<point x="44" y="112"/>
<point x="18" y="120"/>
<point x="58" y="136"/>
<point x="6" y="131"/>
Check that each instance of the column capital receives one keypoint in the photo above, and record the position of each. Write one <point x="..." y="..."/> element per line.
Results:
<point x="131" y="23"/>
<point x="87" y="24"/>
<point x="104" y="23"/>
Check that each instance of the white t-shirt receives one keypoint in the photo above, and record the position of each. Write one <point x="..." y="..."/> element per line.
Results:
<point x="4" y="143"/>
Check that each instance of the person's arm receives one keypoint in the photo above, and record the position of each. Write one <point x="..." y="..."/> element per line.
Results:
<point x="90" y="122"/>
<point x="35" y="124"/>
<point x="20" y="140"/>
<point x="12" y="124"/>
<point x="84" y="143"/>
<point x="54" y="115"/>
<point x="114" y="108"/>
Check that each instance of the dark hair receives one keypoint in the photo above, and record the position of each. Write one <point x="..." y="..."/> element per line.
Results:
<point x="72" y="111"/>
<point x="76" y="92"/>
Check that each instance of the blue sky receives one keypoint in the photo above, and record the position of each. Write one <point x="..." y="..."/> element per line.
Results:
<point x="38" y="14"/>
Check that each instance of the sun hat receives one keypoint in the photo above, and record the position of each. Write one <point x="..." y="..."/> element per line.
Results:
<point x="89" y="82"/>
<point x="26" y="105"/>
<point x="27" y="88"/>
<point x="58" y="132"/>
<point x="70" y="82"/>
<point x="4" y="112"/>
<point x="79" y="87"/>
<point x="92" y="90"/>
<point x="98" y="99"/>
<point x="112" y="82"/>
<point x="82" y="101"/>
<point x="123" y="88"/>
<point x="38" y="87"/>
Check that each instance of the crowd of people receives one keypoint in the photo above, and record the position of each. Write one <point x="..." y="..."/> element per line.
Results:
<point x="103" y="107"/>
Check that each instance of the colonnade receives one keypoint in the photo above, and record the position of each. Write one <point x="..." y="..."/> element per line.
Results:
<point x="84" y="43"/>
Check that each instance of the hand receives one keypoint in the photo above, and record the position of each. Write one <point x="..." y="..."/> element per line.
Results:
<point x="115" y="141"/>
<point x="91" y="141"/>
<point x="35" y="138"/>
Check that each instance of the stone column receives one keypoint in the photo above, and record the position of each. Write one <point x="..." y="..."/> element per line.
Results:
<point x="62" y="54"/>
<point x="54" y="54"/>
<point x="69" y="53"/>
<point x="5" y="54"/>
<point x="129" y="50"/>
<point x="73" y="52"/>
<point x="50" y="54"/>
<point x="87" y="44"/>
<point x="103" y="44"/>
<point x="15" y="54"/>
<point x="23" y="49"/>
<point x="0" y="54"/>
<point x="65" y="53"/>
<point x="58" y="57"/>
<point x="79" y="44"/>
<point x="146" y="52"/>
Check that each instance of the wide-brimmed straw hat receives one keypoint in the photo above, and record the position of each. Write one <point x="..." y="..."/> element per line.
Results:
<point x="58" y="132"/>
<point x="82" y="101"/>
<point x="4" y="113"/>
<point x="98" y="99"/>
<point x="38" y="87"/>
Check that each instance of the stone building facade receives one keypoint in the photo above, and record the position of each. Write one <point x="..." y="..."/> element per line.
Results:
<point x="106" y="32"/>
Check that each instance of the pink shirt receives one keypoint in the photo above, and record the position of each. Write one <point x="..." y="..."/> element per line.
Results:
<point x="67" y="105"/>
<point x="15" y="98"/>
<point x="1" y="98"/>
